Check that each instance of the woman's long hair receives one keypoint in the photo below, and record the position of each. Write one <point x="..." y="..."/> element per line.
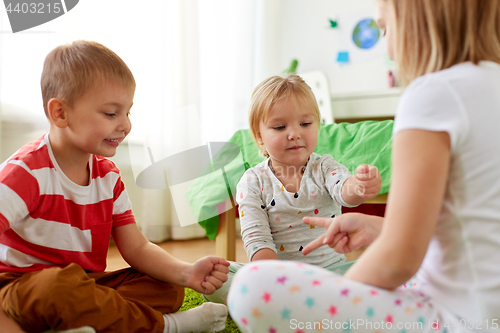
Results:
<point x="432" y="35"/>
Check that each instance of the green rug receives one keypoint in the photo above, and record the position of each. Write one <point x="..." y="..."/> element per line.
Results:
<point x="193" y="299"/>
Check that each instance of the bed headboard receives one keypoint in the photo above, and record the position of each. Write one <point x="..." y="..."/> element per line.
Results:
<point x="364" y="106"/>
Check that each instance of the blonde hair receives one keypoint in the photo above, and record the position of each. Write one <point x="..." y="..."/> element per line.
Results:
<point x="71" y="69"/>
<point x="432" y="35"/>
<point x="273" y="90"/>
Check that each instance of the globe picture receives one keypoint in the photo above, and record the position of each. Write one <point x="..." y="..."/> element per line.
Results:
<point x="366" y="33"/>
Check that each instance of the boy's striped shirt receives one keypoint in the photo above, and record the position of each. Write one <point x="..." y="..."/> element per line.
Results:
<point x="48" y="220"/>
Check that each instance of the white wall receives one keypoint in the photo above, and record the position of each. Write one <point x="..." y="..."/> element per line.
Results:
<point x="304" y="34"/>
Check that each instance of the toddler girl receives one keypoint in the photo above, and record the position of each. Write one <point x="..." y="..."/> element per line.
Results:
<point x="293" y="181"/>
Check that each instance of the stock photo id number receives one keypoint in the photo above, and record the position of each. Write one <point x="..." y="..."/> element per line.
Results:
<point x="486" y="324"/>
<point x="24" y="15"/>
<point x="34" y="8"/>
<point x="367" y="325"/>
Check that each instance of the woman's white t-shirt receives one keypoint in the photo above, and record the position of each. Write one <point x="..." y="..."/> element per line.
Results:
<point x="461" y="269"/>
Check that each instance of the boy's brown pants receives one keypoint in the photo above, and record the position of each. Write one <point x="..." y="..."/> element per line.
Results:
<point x="65" y="298"/>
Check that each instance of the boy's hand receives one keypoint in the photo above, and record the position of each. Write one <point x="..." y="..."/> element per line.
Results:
<point x="368" y="181"/>
<point x="208" y="274"/>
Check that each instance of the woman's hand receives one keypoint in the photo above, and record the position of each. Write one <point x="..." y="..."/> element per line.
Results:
<point x="344" y="233"/>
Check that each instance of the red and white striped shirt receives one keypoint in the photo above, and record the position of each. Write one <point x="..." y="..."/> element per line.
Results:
<point x="47" y="220"/>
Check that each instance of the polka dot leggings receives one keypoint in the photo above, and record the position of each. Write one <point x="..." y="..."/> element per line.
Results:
<point x="282" y="296"/>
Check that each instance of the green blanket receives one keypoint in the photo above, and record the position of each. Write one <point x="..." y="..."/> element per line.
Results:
<point x="366" y="142"/>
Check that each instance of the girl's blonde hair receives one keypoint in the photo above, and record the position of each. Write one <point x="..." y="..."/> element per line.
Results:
<point x="273" y="90"/>
<point x="432" y="35"/>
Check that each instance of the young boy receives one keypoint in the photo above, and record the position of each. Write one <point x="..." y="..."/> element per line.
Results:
<point x="61" y="199"/>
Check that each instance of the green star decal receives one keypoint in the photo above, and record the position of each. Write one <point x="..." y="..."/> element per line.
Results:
<point x="309" y="302"/>
<point x="285" y="314"/>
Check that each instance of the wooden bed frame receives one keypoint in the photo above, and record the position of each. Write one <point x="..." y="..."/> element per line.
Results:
<point x="225" y="241"/>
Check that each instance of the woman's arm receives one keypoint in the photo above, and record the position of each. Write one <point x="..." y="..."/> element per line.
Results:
<point x="421" y="161"/>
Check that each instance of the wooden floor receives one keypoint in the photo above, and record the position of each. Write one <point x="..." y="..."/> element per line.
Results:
<point x="187" y="250"/>
<point x="192" y="250"/>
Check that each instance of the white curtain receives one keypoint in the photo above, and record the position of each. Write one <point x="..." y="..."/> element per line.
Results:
<point x="195" y="62"/>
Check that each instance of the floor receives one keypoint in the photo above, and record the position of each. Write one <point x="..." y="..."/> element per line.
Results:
<point x="192" y="250"/>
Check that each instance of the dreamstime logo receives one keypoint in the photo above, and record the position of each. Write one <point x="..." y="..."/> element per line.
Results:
<point x="190" y="173"/>
<point x="26" y="14"/>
